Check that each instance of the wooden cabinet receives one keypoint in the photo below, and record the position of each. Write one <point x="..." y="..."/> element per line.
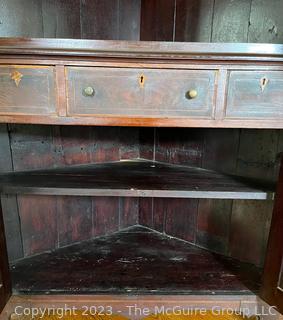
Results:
<point x="255" y="95"/>
<point x="63" y="82"/>
<point x="27" y="90"/>
<point x="141" y="92"/>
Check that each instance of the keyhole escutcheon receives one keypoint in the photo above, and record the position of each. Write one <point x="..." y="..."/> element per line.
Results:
<point x="141" y="80"/>
<point x="263" y="83"/>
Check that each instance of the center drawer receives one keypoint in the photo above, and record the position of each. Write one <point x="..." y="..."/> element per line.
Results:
<point x="140" y="92"/>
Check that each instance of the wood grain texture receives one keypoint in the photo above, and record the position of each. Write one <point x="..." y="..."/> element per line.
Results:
<point x="110" y="19"/>
<point x="105" y="215"/>
<point x="140" y="92"/>
<point x="135" y="178"/>
<point x="231" y="21"/>
<point x="193" y="20"/>
<point x="38" y="81"/>
<point x="246" y="243"/>
<point x="110" y="264"/>
<point x="157" y="20"/>
<point x="61" y="19"/>
<point x="129" y="19"/>
<point x="21" y="18"/>
<point x="31" y="148"/>
<point x="180" y="218"/>
<point x="74" y="216"/>
<point x="213" y="225"/>
<point x="99" y="19"/>
<point x="247" y="97"/>
<point x="265" y="22"/>
<point x="220" y="149"/>
<point x="9" y="203"/>
<point x="38" y="223"/>
<point x="271" y="290"/>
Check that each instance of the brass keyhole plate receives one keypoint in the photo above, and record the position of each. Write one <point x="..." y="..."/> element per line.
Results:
<point x="263" y="83"/>
<point x="141" y="80"/>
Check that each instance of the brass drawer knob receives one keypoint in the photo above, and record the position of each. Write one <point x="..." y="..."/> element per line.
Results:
<point x="191" y="94"/>
<point x="88" y="91"/>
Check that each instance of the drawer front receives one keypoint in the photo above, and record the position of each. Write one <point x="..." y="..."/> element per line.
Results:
<point x="255" y="94"/>
<point x="140" y="92"/>
<point x="27" y="90"/>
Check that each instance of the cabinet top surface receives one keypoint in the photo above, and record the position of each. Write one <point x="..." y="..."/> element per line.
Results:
<point x="141" y="49"/>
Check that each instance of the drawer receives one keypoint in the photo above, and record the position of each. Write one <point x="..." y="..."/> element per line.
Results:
<point x="27" y="90"/>
<point x="255" y="94"/>
<point x="140" y="92"/>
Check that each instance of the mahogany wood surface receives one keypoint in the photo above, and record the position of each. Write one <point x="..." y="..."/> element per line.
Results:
<point x="161" y="98"/>
<point x="140" y="92"/>
<point x="135" y="178"/>
<point x="134" y="261"/>
<point x="141" y="49"/>
<point x="27" y="90"/>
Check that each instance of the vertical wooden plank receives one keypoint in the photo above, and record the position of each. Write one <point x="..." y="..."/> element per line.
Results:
<point x="39" y="223"/>
<point x="246" y="243"/>
<point x="266" y="24"/>
<point x="146" y="212"/>
<point x="257" y="154"/>
<point x="100" y="19"/>
<point x="271" y="290"/>
<point x="213" y="225"/>
<point x="61" y="19"/>
<point x="9" y="203"/>
<point x="105" y="215"/>
<point x="129" y="149"/>
<point x="105" y="210"/>
<point x="157" y="20"/>
<point x="74" y="219"/>
<point x="214" y="216"/>
<point x="256" y="159"/>
<point x="146" y="142"/>
<point x="129" y="143"/>
<point x="12" y="227"/>
<point x="129" y="212"/>
<point x="231" y="20"/>
<point x="32" y="148"/>
<point x="194" y="20"/>
<point x="159" y="214"/>
<point x="180" y="218"/>
<point x="177" y="146"/>
<point x="129" y="19"/>
<point x="220" y="150"/>
<point x="21" y="18"/>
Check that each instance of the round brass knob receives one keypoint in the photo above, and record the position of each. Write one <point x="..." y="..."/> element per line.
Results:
<point x="191" y="94"/>
<point x="88" y="91"/>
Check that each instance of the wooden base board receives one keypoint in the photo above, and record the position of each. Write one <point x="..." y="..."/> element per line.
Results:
<point x="139" y="307"/>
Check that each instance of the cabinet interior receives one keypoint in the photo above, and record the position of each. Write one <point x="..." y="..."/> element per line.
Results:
<point x="138" y="210"/>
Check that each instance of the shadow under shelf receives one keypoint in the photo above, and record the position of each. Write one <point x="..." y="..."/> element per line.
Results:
<point x="135" y="178"/>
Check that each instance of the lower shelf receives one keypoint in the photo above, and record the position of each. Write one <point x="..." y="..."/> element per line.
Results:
<point x="134" y="261"/>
